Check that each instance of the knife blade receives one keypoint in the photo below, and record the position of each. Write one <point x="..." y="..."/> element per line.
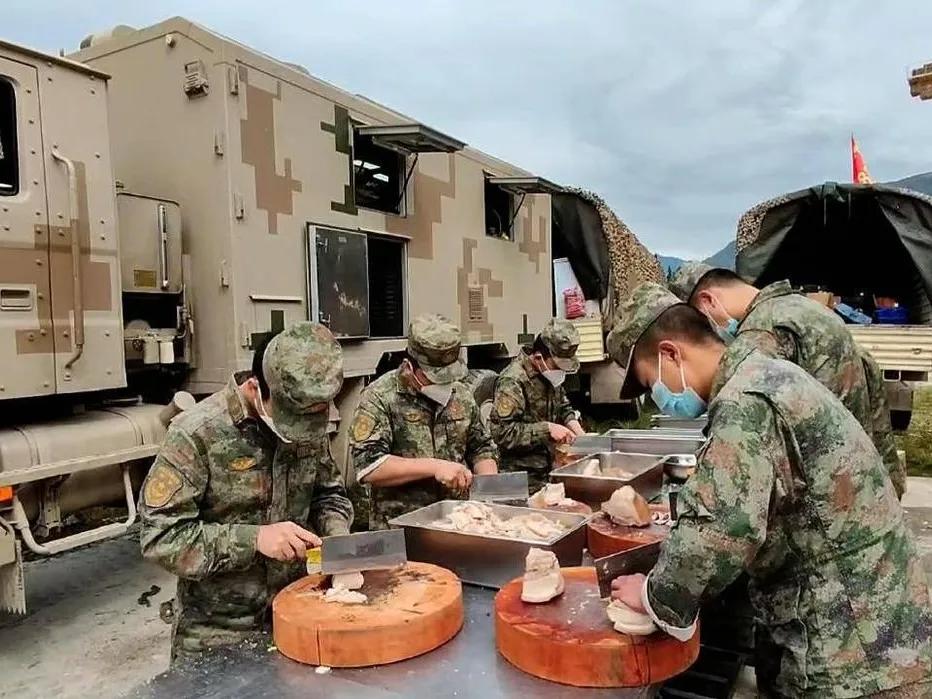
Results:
<point x="637" y="560"/>
<point x="352" y="553"/>
<point x="499" y="486"/>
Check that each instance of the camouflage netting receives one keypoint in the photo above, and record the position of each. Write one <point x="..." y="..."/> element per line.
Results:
<point x="631" y="263"/>
<point x="749" y="223"/>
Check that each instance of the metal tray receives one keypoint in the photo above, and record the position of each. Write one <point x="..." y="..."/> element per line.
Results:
<point x="483" y="559"/>
<point x="661" y="421"/>
<point x="643" y="472"/>
<point x="659" y="442"/>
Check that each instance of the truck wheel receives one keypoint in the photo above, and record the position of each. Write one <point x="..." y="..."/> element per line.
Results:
<point x="899" y="419"/>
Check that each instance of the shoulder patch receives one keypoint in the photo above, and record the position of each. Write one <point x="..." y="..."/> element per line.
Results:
<point x="363" y="425"/>
<point x="504" y="405"/>
<point x="456" y="410"/>
<point x="243" y="463"/>
<point x="161" y="485"/>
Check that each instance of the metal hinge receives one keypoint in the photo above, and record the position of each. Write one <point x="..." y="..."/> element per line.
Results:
<point x="233" y="79"/>
<point x="239" y="206"/>
<point x="219" y="143"/>
<point x="195" y="79"/>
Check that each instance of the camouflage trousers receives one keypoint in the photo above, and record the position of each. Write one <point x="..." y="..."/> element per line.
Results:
<point x="193" y="634"/>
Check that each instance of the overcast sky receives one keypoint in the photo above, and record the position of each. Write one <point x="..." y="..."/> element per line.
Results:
<point x="682" y="115"/>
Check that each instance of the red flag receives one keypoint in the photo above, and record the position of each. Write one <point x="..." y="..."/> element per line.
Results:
<point x="859" y="171"/>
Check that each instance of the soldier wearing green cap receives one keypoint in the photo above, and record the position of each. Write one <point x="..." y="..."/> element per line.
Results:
<point x="789" y="489"/>
<point x="785" y="324"/>
<point x="530" y="412"/>
<point x="417" y="436"/>
<point x="242" y="486"/>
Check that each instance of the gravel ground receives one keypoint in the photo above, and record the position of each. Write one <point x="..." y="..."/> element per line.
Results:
<point x="88" y="635"/>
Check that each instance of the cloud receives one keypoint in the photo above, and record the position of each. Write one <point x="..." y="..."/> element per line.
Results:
<point x="682" y="115"/>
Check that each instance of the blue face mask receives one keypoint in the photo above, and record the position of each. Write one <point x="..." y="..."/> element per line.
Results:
<point x="729" y="332"/>
<point x="686" y="404"/>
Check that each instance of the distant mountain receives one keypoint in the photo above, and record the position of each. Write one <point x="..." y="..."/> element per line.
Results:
<point x="670" y="264"/>
<point x="724" y="257"/>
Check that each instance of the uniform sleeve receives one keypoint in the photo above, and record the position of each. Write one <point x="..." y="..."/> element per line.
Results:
<point x="370" y="435"/>
<point x="173" y="533"/>
<point x="881" y="430"/>
<point x="566" y="413"/>
<point x="331" y="511"/>
<point x="479" y="443"/>
<point x="507" y="422"/>
<point x="722" y="512"/>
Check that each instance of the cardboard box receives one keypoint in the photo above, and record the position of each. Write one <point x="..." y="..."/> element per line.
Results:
<point x="824" y="297"/>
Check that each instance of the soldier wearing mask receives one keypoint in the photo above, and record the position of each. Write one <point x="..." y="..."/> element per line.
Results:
<point x="790" y="489"/>
<point x="788" y="325"/>
<point x="243" y="485"/>
<point x="417" y="436"/>
<point x="531" y="413"/>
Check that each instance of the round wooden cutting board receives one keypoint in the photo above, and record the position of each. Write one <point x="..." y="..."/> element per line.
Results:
<point x="411" y="610"/>
<point x="604" y="537"/>
<point x="571" y="641"/>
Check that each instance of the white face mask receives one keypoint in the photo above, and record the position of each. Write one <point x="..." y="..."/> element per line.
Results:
<point x="556" y="377"/>
<point x="264" y="416"/>
<point x="440" y="394"/>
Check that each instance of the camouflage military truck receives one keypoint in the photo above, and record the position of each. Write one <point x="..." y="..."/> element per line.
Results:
<point x="169" y="196"/>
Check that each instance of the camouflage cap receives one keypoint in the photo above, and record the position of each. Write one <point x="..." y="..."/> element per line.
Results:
<point x="434" y="342"/>
<point x="303" y="366"/>
<point x="561" y="338"/>
<point x="634" y="316"/>
<point x="687" y="277"/>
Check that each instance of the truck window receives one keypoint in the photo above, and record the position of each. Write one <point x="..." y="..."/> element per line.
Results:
<point x="9" y="156"/>
<point x="499" y="212"/>
<point x="386" y="287"/>
<point x="378" y="174"/>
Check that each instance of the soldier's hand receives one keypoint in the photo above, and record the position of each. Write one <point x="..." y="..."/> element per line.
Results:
<point x="560" y="434"/>
<point x="627" y="589"/>
<point x="452" y="475"/>
<point x="285" y="541"/>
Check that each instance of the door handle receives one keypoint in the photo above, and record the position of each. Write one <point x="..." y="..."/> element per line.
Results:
<point x="76" y="280"/>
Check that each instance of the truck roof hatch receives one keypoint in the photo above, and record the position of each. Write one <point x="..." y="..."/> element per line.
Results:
<point x="411" y="138"/>
<point x="526" y="185"/>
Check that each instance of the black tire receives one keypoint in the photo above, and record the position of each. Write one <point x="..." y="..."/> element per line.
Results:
<point x="900" y="419"/>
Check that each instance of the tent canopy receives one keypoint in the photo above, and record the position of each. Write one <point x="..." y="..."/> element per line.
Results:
<point x="848" y="238"/>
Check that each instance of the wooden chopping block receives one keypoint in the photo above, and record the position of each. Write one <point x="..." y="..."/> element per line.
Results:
<point x="571" y="641"/>
<point x="604" y="537"/>
<point x="411" y="610"/>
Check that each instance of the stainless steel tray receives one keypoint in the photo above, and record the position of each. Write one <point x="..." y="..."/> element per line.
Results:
<point x="643" y="472"/>
<point x="679" y="422"/>
<point x="659" y="442"/>
<point x="482" y="559"/>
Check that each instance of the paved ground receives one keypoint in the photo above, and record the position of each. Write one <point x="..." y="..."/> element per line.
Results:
<point x="87" y="635"/>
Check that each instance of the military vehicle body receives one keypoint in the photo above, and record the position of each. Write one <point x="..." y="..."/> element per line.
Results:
<point x="169" y="196"/>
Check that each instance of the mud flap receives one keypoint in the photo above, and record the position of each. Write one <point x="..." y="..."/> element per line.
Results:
<point x="12" y="586"/>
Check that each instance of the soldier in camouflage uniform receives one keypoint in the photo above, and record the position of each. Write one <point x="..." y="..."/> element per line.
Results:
<point x="788" y="325"/>
<point x="790" y="489"/>
<point x="244" y="483"/>
<point x="531" y="412"/>
<point x="417" y="432"/>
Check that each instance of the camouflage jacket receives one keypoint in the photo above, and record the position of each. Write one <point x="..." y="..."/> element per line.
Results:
<point x="218" y="476"/>
<point x="788" y="325"/>
<point x="790" y="489"/>
<point x="524" y="402"/>
<point x="394" y="419"/>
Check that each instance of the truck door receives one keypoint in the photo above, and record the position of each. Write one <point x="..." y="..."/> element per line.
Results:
<point x="26" y="342"/>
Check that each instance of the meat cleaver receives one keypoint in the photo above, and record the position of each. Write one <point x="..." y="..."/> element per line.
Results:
<point x="353" y="553"/>
<point x="637" y="560"/>
<point x="499" y="486"/>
